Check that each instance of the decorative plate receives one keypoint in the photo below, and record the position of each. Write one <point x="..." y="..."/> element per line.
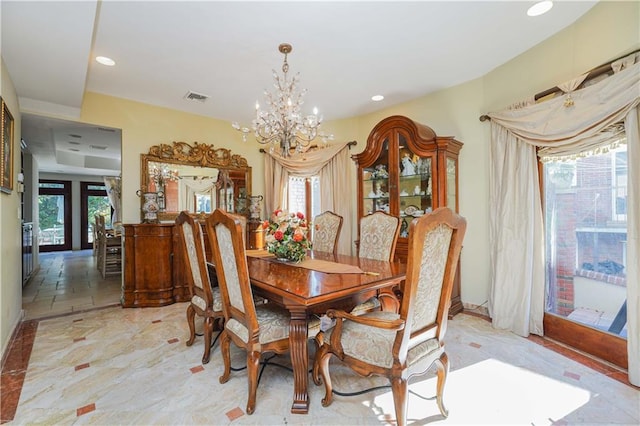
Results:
<point x="410" y="210"/>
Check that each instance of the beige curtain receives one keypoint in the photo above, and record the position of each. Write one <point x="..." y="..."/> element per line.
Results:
<point x="336" y="197"/>
<point x="188" y="188"/>
<point x="331" y="164"/>
<point x="563" y="129"/>
<point x="114" y="188"/>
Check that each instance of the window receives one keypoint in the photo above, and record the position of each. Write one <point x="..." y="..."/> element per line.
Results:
<point x="304" y="196"/>
<point x="586" y="233"/>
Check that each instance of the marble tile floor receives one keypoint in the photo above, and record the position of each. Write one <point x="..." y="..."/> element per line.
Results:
<point x="131" y="366"/>
<point x="68" y="282"/>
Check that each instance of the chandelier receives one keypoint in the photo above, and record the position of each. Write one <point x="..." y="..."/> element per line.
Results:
<point x="282" y="123"/>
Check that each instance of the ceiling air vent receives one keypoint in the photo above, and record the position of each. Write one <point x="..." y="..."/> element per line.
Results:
<point x="193" y="96"/>
<point x="100" y="147"/>
<point x="73" y="135"/>
<point x="73" y="143"/>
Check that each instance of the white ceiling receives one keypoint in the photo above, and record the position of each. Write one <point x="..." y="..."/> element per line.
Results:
<point x="345" y="53"/>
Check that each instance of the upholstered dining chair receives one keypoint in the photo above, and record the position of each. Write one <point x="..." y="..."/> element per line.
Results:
<point x="257" y="329"/>
<point x="205" y="300"/>
<point x="326" y="232"/>
<point x="378" y="237"/>
<point x="401" y="345"/>
<point x="109" y="249"/>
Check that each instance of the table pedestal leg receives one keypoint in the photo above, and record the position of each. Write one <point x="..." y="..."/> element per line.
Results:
<point x="299" y="360"/>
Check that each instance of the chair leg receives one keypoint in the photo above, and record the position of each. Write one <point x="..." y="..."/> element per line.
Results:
<point x="191" y="314"/>
<point x="399" y="388"/>
<point x="225" y="342"/>
<point x="253" y="362"/>
<point x="442" y="364"/>
<point x="208" y="332"/>
<point x="319" y="341"/>
<point x="322" y="361"/>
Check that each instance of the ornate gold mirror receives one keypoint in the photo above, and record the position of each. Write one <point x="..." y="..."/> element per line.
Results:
<point x="198" y="178"/>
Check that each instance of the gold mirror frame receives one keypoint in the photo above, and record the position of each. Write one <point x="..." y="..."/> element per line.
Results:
<point x="197" y="155"/>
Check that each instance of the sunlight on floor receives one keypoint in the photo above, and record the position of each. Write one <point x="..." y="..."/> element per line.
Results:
<point x="492" y="392"/>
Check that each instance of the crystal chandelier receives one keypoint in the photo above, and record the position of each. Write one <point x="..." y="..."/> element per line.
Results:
<point x="282" y="122"/>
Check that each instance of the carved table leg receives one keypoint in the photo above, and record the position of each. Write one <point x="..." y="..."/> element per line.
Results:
<point x="299" y="359"/>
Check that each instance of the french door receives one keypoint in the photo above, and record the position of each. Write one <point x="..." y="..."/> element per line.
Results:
<point x="93" y="200"/>
<point x="586" y="235"/>
<point x="54" y="203"/>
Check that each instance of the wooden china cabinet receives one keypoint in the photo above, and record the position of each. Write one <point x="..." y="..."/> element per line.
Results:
<point x="407" y="170"/>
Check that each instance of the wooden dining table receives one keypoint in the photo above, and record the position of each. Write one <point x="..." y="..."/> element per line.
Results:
<point x="305" y="292"/>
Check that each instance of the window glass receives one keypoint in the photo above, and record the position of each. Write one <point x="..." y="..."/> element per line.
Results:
<point x="586" y="234"/>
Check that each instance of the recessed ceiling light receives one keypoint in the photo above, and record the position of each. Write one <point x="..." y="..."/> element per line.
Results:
<point x="105" y="61"/>
<point x="377" y="98"/>
<point x="540" y="8"/>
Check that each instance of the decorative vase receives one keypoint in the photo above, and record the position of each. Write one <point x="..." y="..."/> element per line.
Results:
<point x="255" y="206"/>
<point x="149" y="206"/>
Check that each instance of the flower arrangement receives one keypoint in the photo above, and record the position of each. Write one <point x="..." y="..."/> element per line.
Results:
<point x="286" y="235"/>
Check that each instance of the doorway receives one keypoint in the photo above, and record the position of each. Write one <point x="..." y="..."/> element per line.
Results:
<point x="93" y="201"/>
<point x="54" y="205"/>
<point x="586" y="233"/>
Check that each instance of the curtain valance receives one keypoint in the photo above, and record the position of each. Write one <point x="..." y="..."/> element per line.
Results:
<point x="567" y="128"/>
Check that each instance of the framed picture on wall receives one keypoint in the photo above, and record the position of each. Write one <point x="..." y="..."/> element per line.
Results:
<point x="6" y="150"/>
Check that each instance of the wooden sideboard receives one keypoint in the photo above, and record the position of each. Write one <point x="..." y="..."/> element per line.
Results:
<point x="154" y="265"/>
<point x="148" y="265"/>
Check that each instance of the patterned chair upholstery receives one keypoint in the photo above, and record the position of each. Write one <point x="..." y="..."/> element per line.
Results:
<point x="378" y="237"/>
<point x="326" y="232"/>
<point x="400" y="345"/>
<point x="205" y="300"/>
<point x="255" y="328"/>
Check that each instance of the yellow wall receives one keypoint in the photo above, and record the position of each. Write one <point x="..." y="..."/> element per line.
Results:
<point x="10" y="229"/>
<point x="605" y="32"/>
<point x="144" y="126"/>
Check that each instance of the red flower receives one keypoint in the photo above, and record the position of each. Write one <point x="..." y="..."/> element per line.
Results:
<point x="277" y="212"/>
<point x="265" y="224"/>
<point x="278" y="235"/>
<point x="300" y="215"/>
<point x="297" y="237"/>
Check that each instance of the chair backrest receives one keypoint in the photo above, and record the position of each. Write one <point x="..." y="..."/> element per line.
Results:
<point x="326" y="232"/>
<point x="227" y="245"/>
<point x="378" y="236"/>
<point x="435" y="241"/>
<point x="190" y="233"/>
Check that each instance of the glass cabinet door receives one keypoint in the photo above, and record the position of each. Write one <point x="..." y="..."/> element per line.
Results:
<point x="375" y="183"/>
<point x="451" y="194"/>
<point x="415" y="185"/>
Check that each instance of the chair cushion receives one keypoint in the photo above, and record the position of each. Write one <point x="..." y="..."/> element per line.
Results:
<point x="426" y="352"/>
<point x="370" y="344"/>
<point x="273" y="321"/>
<point x="371" y="304"/>
<point x="313" y="327"/>
<point x="375" y="345"/>
<point x="202" y="304"/>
